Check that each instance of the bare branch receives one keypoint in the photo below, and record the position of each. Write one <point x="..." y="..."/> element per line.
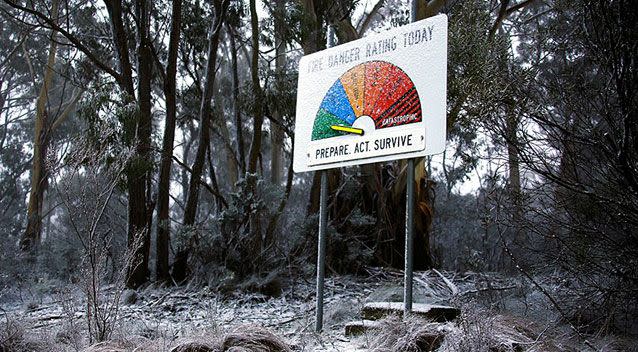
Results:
<point x="70" y="37"/>
<point x="67" y="110"/>
<point x="368" y="19"/>
<point x="518" y="6"/>
<point x="201" y="182"/>
<point x="505" y="12"/>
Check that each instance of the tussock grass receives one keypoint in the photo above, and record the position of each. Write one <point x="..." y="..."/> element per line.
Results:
<point x="474" y="331"/>
<point x="412" y="334"/>
<point x="247" y="338"/>
<point x="255" y="339"/>
<point x="121" y="345"/>
<point x="16" y="337"/>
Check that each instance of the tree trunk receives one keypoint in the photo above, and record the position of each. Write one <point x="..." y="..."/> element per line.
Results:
<point x="3" y="100"/>
<point x="219" y="201"/>
<point x="238" y="121"/>
<point x="204" y="116"/>
<point x="219" y="125"/>
<point x="163" y="197"/>
<point x="186" y="155"/>
<point x="276" y="132"/>
<point x="269" y="236"/>
<point x="423" y="217"/>
<point x="120" y="42"/>
<point x="139" y="173"/>
<point x="136" y="173"/>
<point x="276" y="152"/>
<point x="31" y="236"/>
<point x="180" y="266"/>
<point x="258" y="119"/>
<point x="424" y="199"/>
<point x="312" y="39"/>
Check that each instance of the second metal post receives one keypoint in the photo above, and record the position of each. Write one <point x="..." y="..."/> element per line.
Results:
<point x="321" y="252"/>
<point x="409" y="215"/>
<point x="409" y="226"/>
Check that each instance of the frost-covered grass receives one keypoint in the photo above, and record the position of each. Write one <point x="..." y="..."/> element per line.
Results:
<point x="498" y="314"/>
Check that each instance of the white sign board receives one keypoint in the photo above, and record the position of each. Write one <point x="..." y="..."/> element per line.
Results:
<point x="375" y="99"/>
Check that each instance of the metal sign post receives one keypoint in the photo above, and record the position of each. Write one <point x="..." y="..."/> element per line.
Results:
<point x="409" y="226"/>
<point x="323" y="223"/>
<point x="409" y="217"/>
<point x="321" y="253"/>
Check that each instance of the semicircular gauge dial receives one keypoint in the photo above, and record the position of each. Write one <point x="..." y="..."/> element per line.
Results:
<point x="377" y="89"/>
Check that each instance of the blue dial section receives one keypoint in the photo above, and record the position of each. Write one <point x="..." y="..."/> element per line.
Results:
<point x="336" y="102"/>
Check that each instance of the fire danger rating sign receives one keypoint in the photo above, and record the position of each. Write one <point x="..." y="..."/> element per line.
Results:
<point x="374" y="99"/>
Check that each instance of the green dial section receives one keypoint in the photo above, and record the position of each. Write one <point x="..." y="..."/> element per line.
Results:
<point x="323" y="121"/>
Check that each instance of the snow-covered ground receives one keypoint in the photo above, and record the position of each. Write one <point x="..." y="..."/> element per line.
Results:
<point x="162" y="317"/>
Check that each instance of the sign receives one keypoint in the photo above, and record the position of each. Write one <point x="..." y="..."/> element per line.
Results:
<point x="375" y="99"/>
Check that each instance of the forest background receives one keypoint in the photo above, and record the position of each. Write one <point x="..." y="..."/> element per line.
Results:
<point x="150" y="142"/>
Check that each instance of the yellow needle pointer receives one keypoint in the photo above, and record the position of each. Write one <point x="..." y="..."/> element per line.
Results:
<point x="352" y="130"/>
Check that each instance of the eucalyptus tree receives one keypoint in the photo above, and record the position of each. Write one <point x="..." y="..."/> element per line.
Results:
<point x="258" y="119"/>
<point x="130" y="39"/>
<point x="239" y="125"/>
<point x="180" y="265"/>
<point x="53" y="102"/>
<point x="280" y="100"/>
<point x="163" y="192"/>
<point x="39" y="177"/>
<point x="276" y="130"/>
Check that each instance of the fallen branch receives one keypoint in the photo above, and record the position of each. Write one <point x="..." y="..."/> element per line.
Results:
<point x="270" y="325"/>
<point x="504" y="288"/>
<point x="450" y="284"/>
<point x="424" y="284"/>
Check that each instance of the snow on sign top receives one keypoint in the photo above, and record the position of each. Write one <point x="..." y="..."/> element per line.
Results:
<point x="374" y="99"/>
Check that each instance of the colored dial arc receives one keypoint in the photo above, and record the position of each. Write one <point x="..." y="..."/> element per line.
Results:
<point x="377" y="89"/>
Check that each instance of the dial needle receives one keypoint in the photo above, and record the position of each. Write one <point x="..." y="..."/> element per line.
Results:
<point x="352" y="130"/>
